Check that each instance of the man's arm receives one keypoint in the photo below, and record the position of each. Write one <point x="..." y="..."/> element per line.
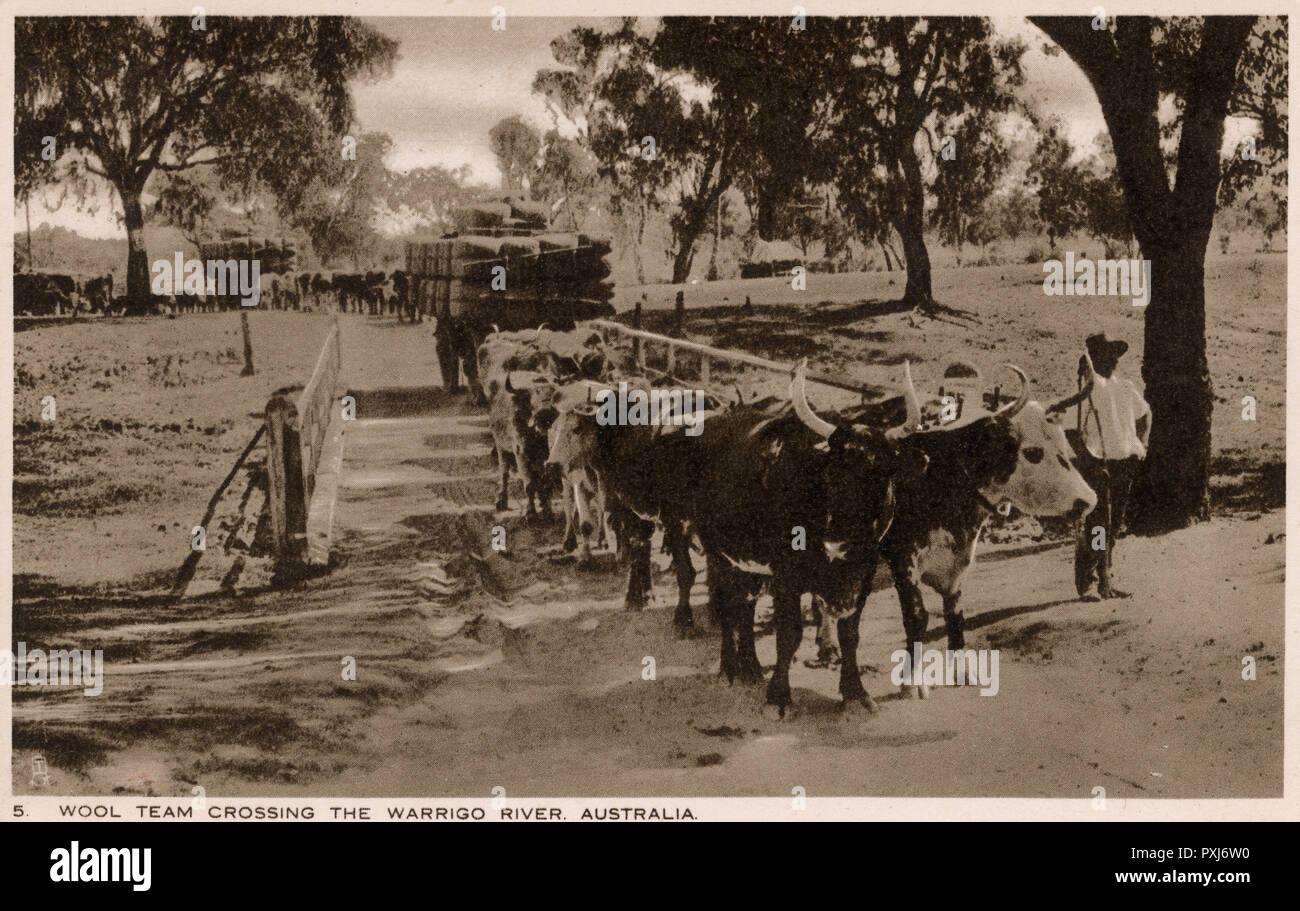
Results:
<point x="1066" y="404"/>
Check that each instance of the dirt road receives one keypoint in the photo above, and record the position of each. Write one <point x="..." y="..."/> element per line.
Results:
<point x="476" y="669"/>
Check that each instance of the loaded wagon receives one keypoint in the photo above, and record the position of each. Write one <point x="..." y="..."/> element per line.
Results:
<point x="504" y="268"/>
<point x="273" y="258"/>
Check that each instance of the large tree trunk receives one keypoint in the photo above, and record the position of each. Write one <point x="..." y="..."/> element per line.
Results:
<point x="717" y="237"/>
<point x="911" y="229"/>
<point x="637" y="259"/>
<point x="696" y="217"/>
<point x="682" y="261"/>
<point x="1173" y="228"/>
<point x="1173" y="486"/>
<point x="765" y="223"/>
<point x="27" y="207"/>
<point x="137" y="258"/>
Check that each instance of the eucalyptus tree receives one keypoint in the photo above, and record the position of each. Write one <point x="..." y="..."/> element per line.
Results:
<point x="1197" y="72"/>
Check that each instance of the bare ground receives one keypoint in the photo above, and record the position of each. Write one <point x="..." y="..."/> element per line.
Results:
<point x="478" y="669"/>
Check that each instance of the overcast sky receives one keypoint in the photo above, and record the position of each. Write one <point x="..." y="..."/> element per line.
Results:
<point x="456" y="77"/>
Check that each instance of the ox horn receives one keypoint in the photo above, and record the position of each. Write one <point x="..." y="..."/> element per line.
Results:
<point x="1013" y="409"/>
<point x="508" y="386"/>
<point x="799" y="396"/>
<point x="913" y="403"/>
<point x="910" y="398"/>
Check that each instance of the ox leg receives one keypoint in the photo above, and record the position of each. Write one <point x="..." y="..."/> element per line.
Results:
<point x="750" y="670"/>
<point x="569" y="493"/>
<point x="852" y="691"/>
<point x="546" y="490"/>
<point x="530" y="482"/>
<point x="955" y="620"/>
<point x="718" y="601"/>
<point x="789" y="630"/>
<point x="601" y="506"/>
<point x="828" y="646"/>
<point x="638" y="570"/>
<point x="680" y="544"/>
<point x="579" y="507"/>
<point x="915" y="622"/>
<point x="591" y="511"/>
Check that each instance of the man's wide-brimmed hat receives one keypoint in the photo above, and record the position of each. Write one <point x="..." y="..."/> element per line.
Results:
<point x="1103" y="349"/>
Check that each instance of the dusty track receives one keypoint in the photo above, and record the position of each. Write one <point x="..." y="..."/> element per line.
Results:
<point x="478" y="669"/>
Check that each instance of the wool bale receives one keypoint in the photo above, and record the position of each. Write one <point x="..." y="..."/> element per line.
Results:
<point x="481" y="215"/>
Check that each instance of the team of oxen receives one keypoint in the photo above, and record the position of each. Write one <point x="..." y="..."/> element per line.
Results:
<point x="776" y="494"/>
<point x="375" y="293"/>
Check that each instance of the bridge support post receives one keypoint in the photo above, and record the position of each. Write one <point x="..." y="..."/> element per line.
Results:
<point x="284" y="480"/>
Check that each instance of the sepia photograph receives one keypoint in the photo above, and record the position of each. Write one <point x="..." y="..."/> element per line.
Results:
<point x="637" y="411"/>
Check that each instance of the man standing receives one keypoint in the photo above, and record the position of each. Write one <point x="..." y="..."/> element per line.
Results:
<point x="1115" y="425"/>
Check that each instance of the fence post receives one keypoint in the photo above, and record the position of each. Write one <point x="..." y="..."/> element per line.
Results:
<point x="704" y="370"/>
<point x="636" y="341"/>
<point x="679" y="312"/>
<point x="248" y="343"/>
<point x="284" y="480"/>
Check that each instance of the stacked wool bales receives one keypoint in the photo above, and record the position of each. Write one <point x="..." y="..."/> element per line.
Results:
<point x="272" y="257"/>
<point x="505" y="269"/>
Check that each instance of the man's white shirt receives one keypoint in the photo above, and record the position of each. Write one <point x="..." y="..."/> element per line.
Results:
<point x="1110" y="419"/>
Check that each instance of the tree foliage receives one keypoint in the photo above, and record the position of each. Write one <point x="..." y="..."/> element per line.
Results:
<point x="517" y="146"/>
<point x="905" y="79"/>
<point x="264" y="100"/>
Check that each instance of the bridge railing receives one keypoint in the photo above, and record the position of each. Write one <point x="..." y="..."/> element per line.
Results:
<point x="296" y="429"/>
<point x="680" y="349"/>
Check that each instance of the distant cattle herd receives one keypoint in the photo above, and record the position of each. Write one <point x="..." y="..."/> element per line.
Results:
<point x="375" y="293"/>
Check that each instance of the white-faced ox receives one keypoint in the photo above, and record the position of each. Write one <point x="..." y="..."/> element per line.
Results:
<point x="980" y="464"/>
<point x="572" y="453"/>
<point x="519" y="442"/>
<point x="520" y="372"/>
<point x="636" y="473"/>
